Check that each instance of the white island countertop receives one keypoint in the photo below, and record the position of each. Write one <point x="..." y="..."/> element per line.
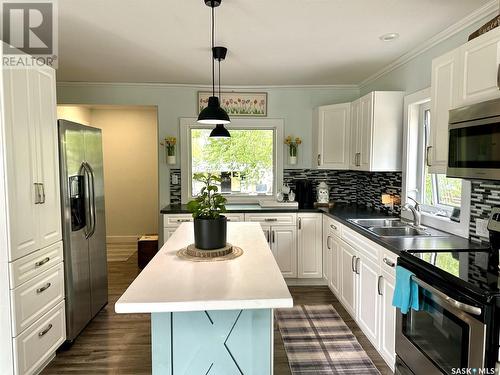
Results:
<point x="171" y="284"/>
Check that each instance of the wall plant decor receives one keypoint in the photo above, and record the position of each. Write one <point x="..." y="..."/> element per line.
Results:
<point x="238" y="103"/>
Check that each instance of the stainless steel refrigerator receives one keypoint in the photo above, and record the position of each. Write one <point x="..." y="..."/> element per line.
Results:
<point x="84" y="229"/>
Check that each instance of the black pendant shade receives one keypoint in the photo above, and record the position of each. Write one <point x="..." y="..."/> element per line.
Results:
<point x="220" y="132"/>
<point x="213" y="114"/>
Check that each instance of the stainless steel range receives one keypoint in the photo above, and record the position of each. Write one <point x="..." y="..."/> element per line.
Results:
<point x="457" y="326"/>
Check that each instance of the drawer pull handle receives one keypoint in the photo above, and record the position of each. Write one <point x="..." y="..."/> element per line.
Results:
<point x="333" y="227"/>
<point x="390" y="263"/>
<point x="44" y="332"/>
<point x="42" y="262"/>
<point x="43" y="288"/>
<point x="270" y="219"/>
<point x="183" y="220"/>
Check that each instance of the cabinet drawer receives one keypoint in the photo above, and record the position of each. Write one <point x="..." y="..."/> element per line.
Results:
<point x="235" y="217"/>
<point x="273" y="219"/>
<point x="176" y="220"/>
<point x="38" y="343"/>
<point x="333" y="226"/>
<point x="32" y="299"/>
<point x="363" y="245"/>
<point x="34" y="264"/>
<point x="388" y="262"/>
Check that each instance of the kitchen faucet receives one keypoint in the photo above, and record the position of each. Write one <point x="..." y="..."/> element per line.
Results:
<point x="415" y="212"/>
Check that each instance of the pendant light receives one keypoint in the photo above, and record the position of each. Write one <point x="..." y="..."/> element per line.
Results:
<point x="213" y="114"/>
<point x="219" y="54"/>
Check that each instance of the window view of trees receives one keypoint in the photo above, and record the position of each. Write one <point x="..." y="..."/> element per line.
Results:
<point x="244" y="162"/>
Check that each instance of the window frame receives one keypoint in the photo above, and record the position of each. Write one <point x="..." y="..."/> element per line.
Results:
<point x="186" y="124"/>
<point x="414" y="168"/>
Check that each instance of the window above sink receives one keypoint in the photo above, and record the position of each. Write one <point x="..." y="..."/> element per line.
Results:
<point x="250" y="163"/>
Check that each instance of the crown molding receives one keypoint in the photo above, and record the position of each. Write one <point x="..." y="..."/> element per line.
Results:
<point x="202" y="87"/>
<point x="490" y="9"/>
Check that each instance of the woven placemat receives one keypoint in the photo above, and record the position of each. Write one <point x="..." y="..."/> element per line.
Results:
<point x="197" y="255"/>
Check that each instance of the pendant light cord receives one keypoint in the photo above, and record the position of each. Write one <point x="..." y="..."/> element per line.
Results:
<point x="213" y="45"/>
<point x="220" y="97"/>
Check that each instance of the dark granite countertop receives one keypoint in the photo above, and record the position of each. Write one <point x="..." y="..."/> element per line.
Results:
<point x="343" y="212"/>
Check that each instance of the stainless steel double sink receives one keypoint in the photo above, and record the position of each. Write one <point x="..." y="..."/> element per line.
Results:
<point x="395" y="228"/>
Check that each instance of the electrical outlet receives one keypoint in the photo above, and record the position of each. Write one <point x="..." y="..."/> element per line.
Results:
<point x="482" y="228"/>
<point x="175" y="179"/>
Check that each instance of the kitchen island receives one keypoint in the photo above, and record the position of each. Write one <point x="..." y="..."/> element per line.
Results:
<point x="210" y="317"/>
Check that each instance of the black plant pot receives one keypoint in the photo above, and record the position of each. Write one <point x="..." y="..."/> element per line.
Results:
<point x="210" y="234"/>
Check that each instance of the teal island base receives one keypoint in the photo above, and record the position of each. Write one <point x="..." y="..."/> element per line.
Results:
<point x="225" y="342"/>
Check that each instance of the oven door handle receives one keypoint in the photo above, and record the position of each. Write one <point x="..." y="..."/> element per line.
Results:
<point x="453" y="302"/>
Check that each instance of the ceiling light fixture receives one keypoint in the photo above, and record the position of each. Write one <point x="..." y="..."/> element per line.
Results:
<point x="389" y="37"/>
<point x="219" y="54"/>
<point x="213" y="114"/>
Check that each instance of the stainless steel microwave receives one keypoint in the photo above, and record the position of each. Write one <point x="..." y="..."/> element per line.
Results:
<point x="474" y="141"/>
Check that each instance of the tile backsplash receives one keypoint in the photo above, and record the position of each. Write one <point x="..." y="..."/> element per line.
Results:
<point x="484" y="196"/>
<point x="367" y="187"/>
<point x="345" y="186"/>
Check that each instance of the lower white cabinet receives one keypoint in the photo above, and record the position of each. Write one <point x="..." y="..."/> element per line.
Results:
<point x="368" y="301"/>
<point x="309" y="240"/>
<point x="37" y="344"/>
<point x="387" y="331"/>
<point x="348" y="256"/>
<point x="283" y="243"/>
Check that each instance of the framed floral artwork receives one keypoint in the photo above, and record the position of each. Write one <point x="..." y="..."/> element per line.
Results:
<point x="252" y="104"/>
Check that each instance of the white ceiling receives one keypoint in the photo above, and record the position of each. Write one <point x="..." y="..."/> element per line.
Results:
<point x="270" y="42"/>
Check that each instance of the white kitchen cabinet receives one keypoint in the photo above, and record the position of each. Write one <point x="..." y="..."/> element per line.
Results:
<point x="478" y="69"/>
<point x="368" y="301"/>
<point x="283" y="243"/>
<point x="32" y="160"/>
<point x="331" y="254"/>
<point x="377" y="131"/>
<point x="444" y="92"/>
<point x="33" y="297"/>
<point x="348" y="256"/>
<point x="387" y="319"/>
<point x="309" y="239"/>
<point x="331" y="136"/>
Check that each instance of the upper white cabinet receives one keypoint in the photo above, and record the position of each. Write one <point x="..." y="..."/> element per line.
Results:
<point x="331" y="134"/>
<point x="32" y="160"/>
<point x="377" y="132"/>
<point x="479" y="68"/>
<point x="309" y="239"/>
<point x="444" y="88"/>
<point x="464" y="76"/>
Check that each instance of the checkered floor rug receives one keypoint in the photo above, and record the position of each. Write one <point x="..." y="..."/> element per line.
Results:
<point x="317" y="341"/>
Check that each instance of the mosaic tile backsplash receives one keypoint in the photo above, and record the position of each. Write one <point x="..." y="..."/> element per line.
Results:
<point x="366" y="188"/>
<point x="484" y="196"/>
<point x="345" y="186"/>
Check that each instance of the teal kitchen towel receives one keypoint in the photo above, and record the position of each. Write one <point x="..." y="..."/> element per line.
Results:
<point x="406" y="293"/>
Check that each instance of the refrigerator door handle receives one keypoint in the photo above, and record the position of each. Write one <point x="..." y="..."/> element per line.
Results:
<point x="91" y="199"/>
<point x="92" y="206"/>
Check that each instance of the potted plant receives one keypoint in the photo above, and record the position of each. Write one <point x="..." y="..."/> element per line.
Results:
<point x="210" y="227"/>
<point x="293" y="145"/>
<point x="169" y="143"/>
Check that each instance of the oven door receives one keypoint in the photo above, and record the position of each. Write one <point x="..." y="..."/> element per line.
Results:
<point x="439" y="337"/>
<point x="474" y="149"/>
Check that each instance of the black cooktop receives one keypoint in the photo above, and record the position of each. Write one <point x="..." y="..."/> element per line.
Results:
<point x="478" y="271"/>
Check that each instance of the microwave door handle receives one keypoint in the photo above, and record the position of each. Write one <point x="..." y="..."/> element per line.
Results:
<point x="447" y="299"/>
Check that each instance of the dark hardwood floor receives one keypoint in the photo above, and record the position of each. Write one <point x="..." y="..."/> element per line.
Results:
<point x="120" y="344"/>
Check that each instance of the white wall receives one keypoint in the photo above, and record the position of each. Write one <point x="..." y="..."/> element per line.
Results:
<point x="130" y="151"/>
<point x="294" y="105"/>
